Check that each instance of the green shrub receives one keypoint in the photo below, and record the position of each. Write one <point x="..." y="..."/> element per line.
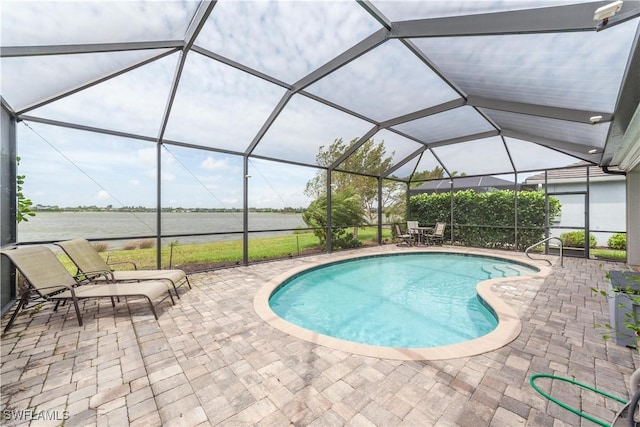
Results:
<point x="487" y="219"/>
<point x="575" y="239"/>
<point x="618" y="241"/>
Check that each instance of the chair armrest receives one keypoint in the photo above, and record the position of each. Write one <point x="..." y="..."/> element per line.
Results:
<point x="135" y="267"/>
<point x="92" y="275"/>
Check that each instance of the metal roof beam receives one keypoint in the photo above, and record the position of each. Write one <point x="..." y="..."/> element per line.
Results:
<point x="72" y="49"/>
<point x="93" y="82"/>
<point x="465" y="138"/>
<point x="239" y="66"/>
<point x="86" y="128"/>
<point x="267" y="124"/>
<point x="626" y="104"/>
<point x="354" y="147"/>
<point x="548" y="142"/>
<point x="569" y="114"/>
<point x="377" y="15"/>
<point x="567" y="18"/>
<point x="199" y="19"/>
<point x="371" y="42"/>
<point x="424" y="113"/>
<point x="404" y="161"/>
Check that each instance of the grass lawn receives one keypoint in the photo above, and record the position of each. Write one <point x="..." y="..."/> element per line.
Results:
<point x="201" y="256"/>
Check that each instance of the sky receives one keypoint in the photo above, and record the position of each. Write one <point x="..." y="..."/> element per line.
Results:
<point x="218" y="106"/>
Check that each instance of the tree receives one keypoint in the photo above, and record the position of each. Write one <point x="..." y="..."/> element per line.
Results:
<point x="371" y="158"/>
<point x="346" y="211"/>
<point x="23" y="210"/>
<point x="418" y="178"/>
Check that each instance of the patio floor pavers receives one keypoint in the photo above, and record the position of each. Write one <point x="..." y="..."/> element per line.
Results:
<point x="210" y="360"/>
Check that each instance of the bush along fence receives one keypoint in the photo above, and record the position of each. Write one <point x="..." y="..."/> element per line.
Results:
<point x="486" y="219"/>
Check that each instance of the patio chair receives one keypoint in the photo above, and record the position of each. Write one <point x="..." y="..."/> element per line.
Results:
<point x="407" y="239"/>
<point x="438" y="234"/>
<point x="48" y="280"/>
<point x="93" y="267"/>
<point x="413" y="228"/>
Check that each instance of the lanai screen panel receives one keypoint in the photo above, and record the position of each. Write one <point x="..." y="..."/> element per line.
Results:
<point x="426" y="162"/>
<point x="200" y="179"/>
<point x="387" y="82"/>
<point x="581" y="70"/>
<point x="32" y="23"/>
<point x="476" y="157"/>
<point x="27" y="80"/>
<point x="220" y="106"/>
<point x="304" y="126"/>
<point x="288" y="39"/>
<point x="528" y="156"/>
<point x="272" y="185"/>
<point x="132" y="102"/>
<point x="580" y="134"/>
<point x="70" y="168"/>
<point x="397" y="148"/>
<point x="457" y="122"/>
<point x="404" y="10"/>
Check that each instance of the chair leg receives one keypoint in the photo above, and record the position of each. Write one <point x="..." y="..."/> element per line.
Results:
<point x="171" y="296"/>
<point x="23" y="302"/>
<point x="153" y="309"/>
<point x="75" y="304"/>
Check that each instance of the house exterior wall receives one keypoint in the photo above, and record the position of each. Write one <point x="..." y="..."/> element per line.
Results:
<point x="607" y="208"/>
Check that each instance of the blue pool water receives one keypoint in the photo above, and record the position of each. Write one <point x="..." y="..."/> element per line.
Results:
<point x="404" y="300"/>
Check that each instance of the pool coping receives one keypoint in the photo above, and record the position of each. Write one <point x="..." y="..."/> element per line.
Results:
<point x="508" y="329"/>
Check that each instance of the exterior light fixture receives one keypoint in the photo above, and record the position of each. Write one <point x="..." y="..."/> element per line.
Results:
<point x="605" y="12"/>
<point x="595" y="119"/>
<point x="247" y="176"/>
<point x="593" y="151"/>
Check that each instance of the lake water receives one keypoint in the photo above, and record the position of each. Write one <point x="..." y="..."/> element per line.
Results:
<point x="55" y="226"/>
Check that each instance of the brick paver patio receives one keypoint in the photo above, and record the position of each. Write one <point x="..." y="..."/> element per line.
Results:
<point x="210" y="360"/>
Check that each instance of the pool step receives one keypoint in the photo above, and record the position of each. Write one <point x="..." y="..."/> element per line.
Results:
<point x="495" y="271"/>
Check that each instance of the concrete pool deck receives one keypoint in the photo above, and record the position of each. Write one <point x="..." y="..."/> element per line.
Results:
<point x="211" y="360"/>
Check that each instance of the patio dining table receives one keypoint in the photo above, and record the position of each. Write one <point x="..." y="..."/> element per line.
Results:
<point x="421" y="234"/>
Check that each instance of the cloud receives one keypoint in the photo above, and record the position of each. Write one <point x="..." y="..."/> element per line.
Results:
<point x="103" y="195"/>
<point x="285" y="39"/>
<point x="134" y="182"/>
<point x="211" y="163"/>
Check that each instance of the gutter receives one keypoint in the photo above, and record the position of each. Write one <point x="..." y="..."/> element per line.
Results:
<point x="605" y="169"/>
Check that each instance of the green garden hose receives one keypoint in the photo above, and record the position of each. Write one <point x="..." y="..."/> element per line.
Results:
<point x="570" y="408"/>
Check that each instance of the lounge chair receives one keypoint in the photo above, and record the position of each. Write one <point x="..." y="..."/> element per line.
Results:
<point x="48" y="280"/>
<point x="92" y="266"/>
<point x="407" y="239"/>
<point x="438" y="234"/>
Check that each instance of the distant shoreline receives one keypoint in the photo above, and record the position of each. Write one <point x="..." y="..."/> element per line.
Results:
<point x="63" y="225"/>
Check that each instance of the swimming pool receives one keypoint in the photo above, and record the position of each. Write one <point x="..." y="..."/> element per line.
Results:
<point x="409" y="305"/>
